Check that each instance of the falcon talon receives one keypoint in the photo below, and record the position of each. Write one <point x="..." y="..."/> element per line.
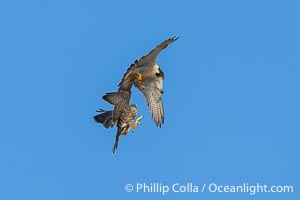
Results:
<point x="137" y="121"/>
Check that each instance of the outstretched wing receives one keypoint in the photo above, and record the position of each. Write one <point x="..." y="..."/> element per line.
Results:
<point x="145" y="61"/>
<point x="115" y="98"/>
<point x="150" y="58"/>
<point x="152" y="91"/>
<point x="105" y="118"/>
<point x="127" y="81"/>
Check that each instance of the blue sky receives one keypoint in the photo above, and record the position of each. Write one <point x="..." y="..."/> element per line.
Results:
<point x="231" y="97"/>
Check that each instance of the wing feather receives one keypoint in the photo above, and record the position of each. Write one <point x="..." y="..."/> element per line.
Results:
<point x="105" y="118"/>
<point x="152" y="92"/>
<point x="126" y="82"/>
<point x="150" y="58"/>
<point x="113" y="98"/>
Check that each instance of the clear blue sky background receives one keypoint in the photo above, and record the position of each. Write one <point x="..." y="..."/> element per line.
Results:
<point x="231" y="97"/>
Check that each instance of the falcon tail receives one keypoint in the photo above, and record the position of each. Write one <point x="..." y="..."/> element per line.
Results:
<point x="119" y="133"/>
<point x="105" y="118"/>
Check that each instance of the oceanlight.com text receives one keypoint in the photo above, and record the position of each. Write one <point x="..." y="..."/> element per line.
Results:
<point x="190" y="187"/>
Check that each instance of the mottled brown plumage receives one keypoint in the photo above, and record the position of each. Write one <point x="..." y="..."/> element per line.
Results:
<point x="106" y="119"/>
<point x="123" y="126"/>
<point x="123" y="113"/>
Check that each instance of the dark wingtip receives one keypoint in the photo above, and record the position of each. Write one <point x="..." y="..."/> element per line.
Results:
<point x="159" y="124"/>
<point x="107" y="96"/>
<point x="97" y="119"/>
<point x="104" y="97"/>
<point x="175" y="38"/>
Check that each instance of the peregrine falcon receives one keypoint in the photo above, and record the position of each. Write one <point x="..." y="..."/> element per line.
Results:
<point x="150" y="78"/>
<point x="123" y="113"/>
<point x="106" y="118"/>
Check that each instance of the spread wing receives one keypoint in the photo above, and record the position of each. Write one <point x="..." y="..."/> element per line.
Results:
<point x="152" y="91"/>
<point x="105" y="118"/>
<point x="113" y="98"/>
<point x="145" y="61"/>
<point x="126" y="82"/>
<point x="150" y="58"/>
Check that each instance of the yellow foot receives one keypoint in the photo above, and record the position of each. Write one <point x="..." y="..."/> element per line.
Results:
<point x="139" y="76"/>
<point x="138" y="80"/>
<point x="137" y="122"/>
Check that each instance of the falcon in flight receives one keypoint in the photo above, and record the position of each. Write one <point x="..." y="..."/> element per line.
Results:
<point x="150" y="82"/>
<point x="123" y="112"/>
<point x="106" y="118"/>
